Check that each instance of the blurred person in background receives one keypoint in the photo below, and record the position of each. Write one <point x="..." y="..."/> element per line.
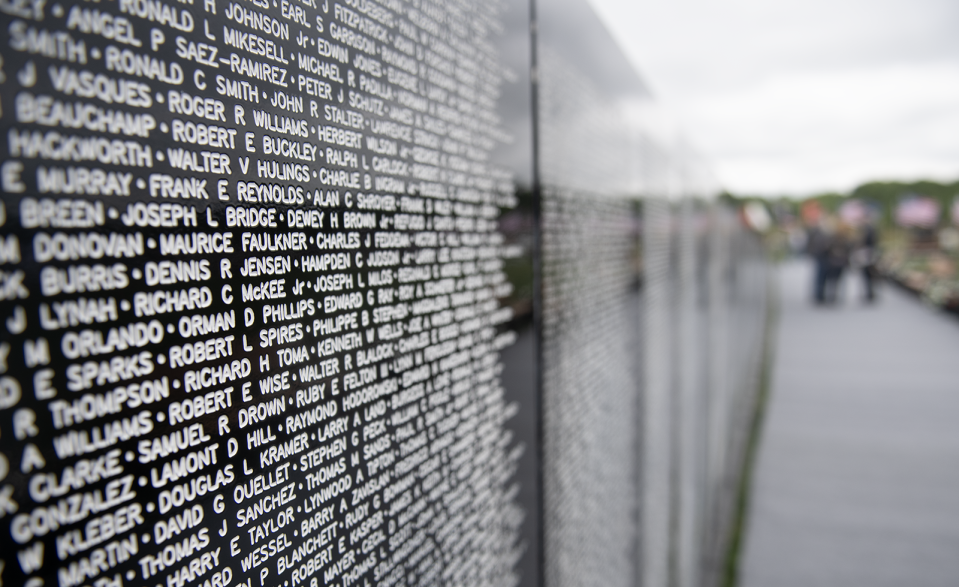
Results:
<point x="818" y="242"/>
<point x="837" y="257"/>
<point x="830" y="244"/>
<point x="866" y="257"/>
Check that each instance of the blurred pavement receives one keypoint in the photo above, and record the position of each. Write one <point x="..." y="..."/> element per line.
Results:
<point x="857" y="477"/>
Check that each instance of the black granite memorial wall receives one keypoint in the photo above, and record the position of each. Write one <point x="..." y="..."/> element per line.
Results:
<point x="356" y="292"/>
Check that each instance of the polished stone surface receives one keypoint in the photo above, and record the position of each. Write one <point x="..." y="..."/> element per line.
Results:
<point x="857" y="477"/>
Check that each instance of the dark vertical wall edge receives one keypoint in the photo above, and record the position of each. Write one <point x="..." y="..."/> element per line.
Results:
<point x="537" y="282"/>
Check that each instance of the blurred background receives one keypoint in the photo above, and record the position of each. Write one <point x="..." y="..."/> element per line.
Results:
<point x="844" y="109"/>
<point x="832" y="128"/>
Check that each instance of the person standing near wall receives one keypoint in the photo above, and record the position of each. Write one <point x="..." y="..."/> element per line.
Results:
<point x="867" y="255"/>
<point x="818" y="243"/>
<point x="837" y="257"/>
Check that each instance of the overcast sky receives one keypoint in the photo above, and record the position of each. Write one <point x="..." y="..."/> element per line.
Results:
<point x="800" y="96"/>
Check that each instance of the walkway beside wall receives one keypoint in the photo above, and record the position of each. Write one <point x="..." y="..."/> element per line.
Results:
<point x="857" y="476"/>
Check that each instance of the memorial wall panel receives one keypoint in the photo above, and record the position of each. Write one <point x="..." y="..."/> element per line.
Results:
<point x="358" y="293"/>
<point x="267" y="294"/>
